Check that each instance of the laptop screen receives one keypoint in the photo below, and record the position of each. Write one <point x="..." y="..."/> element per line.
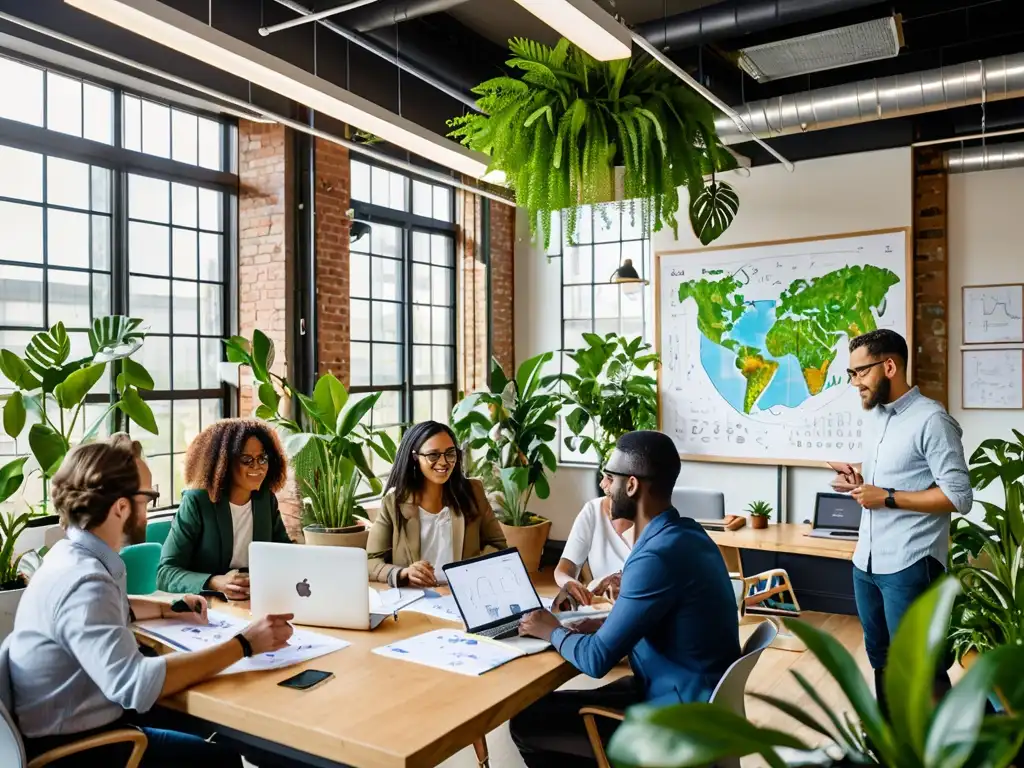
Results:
<point x="837" y="510"/>
<point x="491" y="589"/>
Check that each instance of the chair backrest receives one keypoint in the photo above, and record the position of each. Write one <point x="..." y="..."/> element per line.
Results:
<point x="140" y="562"/>
<point x="12" y="748"/>
<point x="156" y="531"/>
<point x="699" y="503"/>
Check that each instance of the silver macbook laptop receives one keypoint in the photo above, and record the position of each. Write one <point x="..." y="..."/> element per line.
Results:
<point x="836" y="515"/>
<point x="322" y="586"/>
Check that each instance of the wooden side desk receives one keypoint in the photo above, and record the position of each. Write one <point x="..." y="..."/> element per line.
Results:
<point x="377" y="711"/>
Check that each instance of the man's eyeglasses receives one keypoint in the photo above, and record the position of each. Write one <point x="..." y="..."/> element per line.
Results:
<point x="860" y="370"/>
<point x="434" y="457"/>
<point x="247" y="461"/>
<point x="151" y="496"/>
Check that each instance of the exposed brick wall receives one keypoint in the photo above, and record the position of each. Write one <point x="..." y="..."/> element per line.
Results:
<point x="503" y="246"/>
<point x="333" y="186"/>
<point x="931" y="275"/>
<point x="471" y="342"/>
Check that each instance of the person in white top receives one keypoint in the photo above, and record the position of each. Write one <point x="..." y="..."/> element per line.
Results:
<point x="601" y="543"/>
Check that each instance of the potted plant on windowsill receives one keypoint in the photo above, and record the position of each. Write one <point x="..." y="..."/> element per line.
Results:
<point x="12" y="525"/>
<point x="760" y="512"/>
<point x="327" y="450"/>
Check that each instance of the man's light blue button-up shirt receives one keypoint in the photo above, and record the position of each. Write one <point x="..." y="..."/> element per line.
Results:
<point x="75" y="664"/>
<point x="912" y="444"/>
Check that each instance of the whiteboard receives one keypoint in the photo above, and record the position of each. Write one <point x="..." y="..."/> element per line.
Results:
<point x="754" y="343"/>
<point x="993" y="378"/>
<point x="993" y="314"/>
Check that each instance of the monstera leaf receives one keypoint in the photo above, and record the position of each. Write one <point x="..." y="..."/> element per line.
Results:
<point x="712" y="210"/>
<point x="115" y="337"/>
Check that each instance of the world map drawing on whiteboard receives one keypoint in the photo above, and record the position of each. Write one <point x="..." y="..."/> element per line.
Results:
<point x="755" y="344"/>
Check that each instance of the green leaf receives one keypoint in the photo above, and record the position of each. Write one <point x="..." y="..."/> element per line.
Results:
<point x="48" y="448"/>
<point x="138" y="410"/>
<point x="17" y="372"/>
<point x="12" y="474"/>
<point x="14" y="414"/>
<point x="330" y="397"/>
<point x="713" y="210"/>
<point x="526" y="376"/>
<point x="76" y="386"/>
<point x="577" y="420"/>
<point x="237" y="349"/>
<point x="136" y="375"/>
<point x="115" y="337"/>
<point x="354" y="415"/>
<point x="262" y="354"/>
<point x="264" y="412"/>
<point x="49" y="349"/>
<point x="269" y="398"/>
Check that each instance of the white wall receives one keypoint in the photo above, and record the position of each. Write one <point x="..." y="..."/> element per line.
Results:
<point x="829" y="196"/>
<point x="985" y="247"/>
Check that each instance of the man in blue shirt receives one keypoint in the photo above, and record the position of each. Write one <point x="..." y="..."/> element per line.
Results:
<point x="675" y="616"/>
<point x="913" y="477"/>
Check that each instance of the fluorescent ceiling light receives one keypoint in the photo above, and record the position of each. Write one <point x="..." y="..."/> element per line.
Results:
<point x="585" y="23"/>
<point x="183" y="33"/>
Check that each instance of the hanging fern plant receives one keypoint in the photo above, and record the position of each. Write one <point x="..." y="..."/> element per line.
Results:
<point x="560" y="131"/>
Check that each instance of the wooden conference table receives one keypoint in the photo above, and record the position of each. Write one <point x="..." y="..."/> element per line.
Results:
<point x="376" y="711"/>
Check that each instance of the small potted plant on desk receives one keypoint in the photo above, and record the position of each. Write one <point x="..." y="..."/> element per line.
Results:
<point x="760" y="513"/>
<point x="524" y="531"/>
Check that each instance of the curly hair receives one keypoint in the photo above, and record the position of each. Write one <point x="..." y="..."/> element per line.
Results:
<point x="209" y="457"/>
<point x="94" y="476"/>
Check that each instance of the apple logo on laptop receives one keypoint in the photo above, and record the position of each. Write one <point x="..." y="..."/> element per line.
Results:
<point x="303" y="588"/>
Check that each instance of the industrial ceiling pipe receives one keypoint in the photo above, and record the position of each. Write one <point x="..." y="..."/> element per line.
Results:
<point x="991" y="157"/>
<point x="384" y="13"/>
<point x="735" y="18"/>
<point x="932" y="90"/>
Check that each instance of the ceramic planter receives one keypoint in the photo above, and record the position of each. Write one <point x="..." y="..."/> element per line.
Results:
<point x="529" y="540"/>
<point x="758" y="521"/>
<point x="351" y="536"/>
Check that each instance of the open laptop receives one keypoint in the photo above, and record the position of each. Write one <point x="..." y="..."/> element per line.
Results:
<point x="322" y="586"/>
<point x="836" y="515"/>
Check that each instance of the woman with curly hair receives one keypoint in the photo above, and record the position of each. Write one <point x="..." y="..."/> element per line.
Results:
<point x="233" y="468"/>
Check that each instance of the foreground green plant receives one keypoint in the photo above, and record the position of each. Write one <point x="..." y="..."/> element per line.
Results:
<point x="559" y="133"/>
<point x="12" y="525"/>
<point x="953" y="733"/>
<point x="328" y="448"/>
<point x="54" y="388"/>
<point x="760" y="509"/>
<point x="989" y="559"/>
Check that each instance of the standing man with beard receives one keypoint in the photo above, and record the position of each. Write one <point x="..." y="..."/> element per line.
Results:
<point x="914" y="475"/>
<point x="675" y="616"/>
<point x="75" y="667"/>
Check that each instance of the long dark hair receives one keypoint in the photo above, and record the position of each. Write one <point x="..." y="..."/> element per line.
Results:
<point x="406" y="479"/>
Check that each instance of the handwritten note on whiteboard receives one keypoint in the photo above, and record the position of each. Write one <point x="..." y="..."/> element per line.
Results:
<point x="993" y="378"/>
<point x="993" y="314"/>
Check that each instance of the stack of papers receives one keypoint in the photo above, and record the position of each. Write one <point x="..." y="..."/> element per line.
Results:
<point x="389" y="601"/>
<point x="189" y="636"/>
<point x="452" y="650"/>
<point x="439" y="606"/>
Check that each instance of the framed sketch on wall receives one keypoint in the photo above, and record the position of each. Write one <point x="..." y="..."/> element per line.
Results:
<point x="993" y="314"/>
<point x="993" y="379"/>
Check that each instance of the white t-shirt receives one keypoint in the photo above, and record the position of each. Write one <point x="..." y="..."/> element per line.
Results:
<point x="241" y="526"/>
<point x="592" y="540"/>
<point x="436" y="540"/>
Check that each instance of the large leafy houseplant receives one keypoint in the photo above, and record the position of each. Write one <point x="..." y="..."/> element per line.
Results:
<point x="608" y="392"/>
<point x="12" y="524"/>
<point x="327" y="443"/>
<point x="989" y="559"/>
<point x="952" y="733"/>
<point x="53" y="389"/>
<point x="559" y="133"/>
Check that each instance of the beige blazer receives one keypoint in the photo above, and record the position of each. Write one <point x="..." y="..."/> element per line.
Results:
<point x="394" y="541"/>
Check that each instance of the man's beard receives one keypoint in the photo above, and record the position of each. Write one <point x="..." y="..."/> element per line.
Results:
<point x="134" y="531"/>
<point x="880" y="395"/>
<point x="623" y="507"/>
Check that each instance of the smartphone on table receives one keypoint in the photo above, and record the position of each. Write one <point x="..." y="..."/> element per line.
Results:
<point x="307" y="679"/>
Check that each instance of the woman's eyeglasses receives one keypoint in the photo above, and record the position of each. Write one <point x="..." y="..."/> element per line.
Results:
<point x="434" y="457"/>
<point x="247" y="461"/>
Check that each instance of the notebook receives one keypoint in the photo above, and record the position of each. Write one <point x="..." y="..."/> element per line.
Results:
<point x="456" y="651"/>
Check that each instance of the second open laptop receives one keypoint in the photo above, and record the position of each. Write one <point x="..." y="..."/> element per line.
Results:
<point x="836" y="516"/>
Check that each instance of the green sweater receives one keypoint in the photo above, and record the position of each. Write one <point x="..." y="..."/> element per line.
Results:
<point x="201" y="539"/>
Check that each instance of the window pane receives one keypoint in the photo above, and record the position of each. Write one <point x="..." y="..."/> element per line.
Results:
<point x="99" y="113"/>
<point x="67" y="183"/>
<point x="21" y="174"/>
<point x="420" y="406"/>
<point x="442" y="405"/>
<point x="386" y="368"/>
<point x="573" y="331"/>
<point x="607" y="224"/>
<point x="185" y="423"/>
<point x="360" y="181"/>
<point x="186" y="253"/>
<point x="386" y="279"/>
<point x="606" y="301"/>
<point x="100" y="295"/>
<point x="155" y="354"/>
<point x="359" y="275"/>
<point x="186" y="312"/>
<point x="420" y="324"/>
<point x="211" y="256"/>
<point x="442" y="365"/>
<point x="421" y="365"/>
<point x="210" y="144"/>
<point x="21" y="92"/>
<point x="399" y="185"/>
<point x="184" y="205"/>
<point x="420" y="284"/>
<point x="577" y="264"/>
<point x="156" y="129"/>
<point x="359" y="364"/>
<point x="68" y="239"/>
<point x="184" y="137"/>
<point x="441" y="327"/>
<point x="186" y="366"/>
<point x="22" y="291"/>
<point x="606" y="260"/>
<point x="422" y="199"/>
<point x="211" y="356"/>
<point x="380" y="187"/>
<point x="386" y="241"/>
<point x="632" y="222"/>
<point x="210" y="210"/>
<point x="100" y="242"/>
<point x="132" y="118"/>
<point x="387" y="411"/>
<point x="211" y="411"/>
<point x="360" y="320"/>
<point x="100" y="191"/>
<point x="22" y="227"/>
<point x="385" y="321"/>
<point x="149" y="199"/>
<point x="148" y="248"/>
<point x="150" y="298"/>
<point x="420" y="246"/>
<point x="441" y="289"/>
<point x="211" y="318"/>
<point x="69" y="298"/>
<point x="442" y="203"/>
<point x="441" y="250"/>
<point x="576" y="303"/>
<point x="63" y="104"/>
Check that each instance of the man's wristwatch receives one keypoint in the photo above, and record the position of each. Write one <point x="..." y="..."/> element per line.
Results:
<point x="890" y="500"/>
<point x="246" y="645"/>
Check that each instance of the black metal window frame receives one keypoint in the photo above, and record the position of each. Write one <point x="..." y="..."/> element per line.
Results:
<point x="122" y="164"/>
<point x="409" y="224"/>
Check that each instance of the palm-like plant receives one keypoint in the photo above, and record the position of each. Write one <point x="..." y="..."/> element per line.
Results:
<point x="559" y="133"/>
<point x="953" y="733"/>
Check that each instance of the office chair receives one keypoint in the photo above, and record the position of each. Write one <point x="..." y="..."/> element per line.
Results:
<point x="729" y="693"/>
<point x="699" y="503"/>
<point x="140" y="563"/>
<point x="157" y="530"/>
<point x="12" y="746"/>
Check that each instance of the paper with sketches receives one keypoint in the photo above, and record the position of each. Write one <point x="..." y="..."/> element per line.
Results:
<point x="186" y="636"/>
<point x="452" y="650"/>
<point x="393" y="600"/>
<point x="440" y="607"/>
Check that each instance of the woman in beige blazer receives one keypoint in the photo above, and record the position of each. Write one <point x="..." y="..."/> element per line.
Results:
<point x="431" y="514"/>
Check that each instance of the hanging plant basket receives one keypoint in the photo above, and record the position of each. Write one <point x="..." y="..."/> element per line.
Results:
<point x="561" y="131"/>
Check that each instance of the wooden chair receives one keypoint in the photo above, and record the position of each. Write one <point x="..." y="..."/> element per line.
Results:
<point x="12" y="746"/>
<point x="729" y="692"/>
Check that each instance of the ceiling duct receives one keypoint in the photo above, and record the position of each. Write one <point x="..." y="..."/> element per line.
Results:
<point x="384" y="13"/>
<point x="735" y="18"/>
<point x="991" y="157"/>
<point x="932" y="90"/>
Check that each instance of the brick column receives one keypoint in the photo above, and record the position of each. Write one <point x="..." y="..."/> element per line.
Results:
<point x="503" y="247"/>
<point x="333" y="194"/>
<point x="931" y="275"/>
<point x="471" y="341"/>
